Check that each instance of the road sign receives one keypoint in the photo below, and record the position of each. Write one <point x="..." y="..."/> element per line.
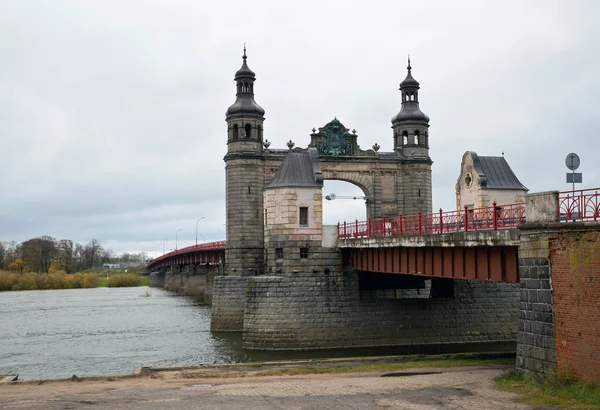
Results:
<point x="574" y="178"/>
<point x="572" y="161"/>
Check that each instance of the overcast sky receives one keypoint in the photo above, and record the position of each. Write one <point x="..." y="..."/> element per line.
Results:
<point x="112" y="112"/>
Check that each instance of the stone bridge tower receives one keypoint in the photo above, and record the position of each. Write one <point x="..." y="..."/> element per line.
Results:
<point x="411" y="141"/>
<point x="397" y="182"/>
<point x="244" y="178"/>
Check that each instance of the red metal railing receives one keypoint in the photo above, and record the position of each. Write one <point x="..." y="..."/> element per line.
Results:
<point x="469" y="219"/>
<point x="202" y="247"/>
<point x="580" y="205"/>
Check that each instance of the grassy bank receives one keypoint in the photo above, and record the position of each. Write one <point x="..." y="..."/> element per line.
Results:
<point x="40" y="281"/>
<point x="12" y="281"/>
<point x="551" y="390"/>
<point x="384" y="366"/>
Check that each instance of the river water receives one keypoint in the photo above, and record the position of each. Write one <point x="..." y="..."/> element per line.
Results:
<point x="58" y="333"/>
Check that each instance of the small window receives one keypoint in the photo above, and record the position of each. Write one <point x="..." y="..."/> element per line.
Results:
<point x="404" y="138"/>
<point x="303" y="216"/>
<point x="235" y="131"/>
<point x="248" y="130"/>
<point x="278" y="253"/>
<point x="417" y="141"/>
<point x="303" y="253"/>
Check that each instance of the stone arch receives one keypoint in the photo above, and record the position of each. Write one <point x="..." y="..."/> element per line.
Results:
<point x="361" y="179"/>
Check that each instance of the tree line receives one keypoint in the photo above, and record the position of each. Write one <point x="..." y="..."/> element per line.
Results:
<point x="48" y="255"/>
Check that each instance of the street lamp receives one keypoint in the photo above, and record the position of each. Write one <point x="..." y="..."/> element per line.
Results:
<point x="332" y="196"/>
<point x="199" y="219"/>
<point x="156" y="250"/>
<point x="164" y="242"/>
<point x="176" y="233"/>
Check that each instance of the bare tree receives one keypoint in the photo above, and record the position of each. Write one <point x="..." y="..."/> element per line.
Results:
<point x="93" y="250"/>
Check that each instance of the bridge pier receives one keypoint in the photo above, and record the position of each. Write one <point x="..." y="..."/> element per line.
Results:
<point x="194" y="280"/>
<point x="323" y="306"/>
<point x="157" y="279"/>
<point x="559" y="266"/>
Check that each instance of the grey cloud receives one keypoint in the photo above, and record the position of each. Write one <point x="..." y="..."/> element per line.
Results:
<point x="112" y="113"/>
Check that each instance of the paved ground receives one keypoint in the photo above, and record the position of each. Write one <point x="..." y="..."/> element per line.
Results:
<point x="454" y="388"/>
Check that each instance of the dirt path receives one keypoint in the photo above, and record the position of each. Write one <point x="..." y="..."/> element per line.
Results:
<point x="427" y="388"/>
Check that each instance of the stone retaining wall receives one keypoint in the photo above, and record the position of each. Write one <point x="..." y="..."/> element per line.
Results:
<point x="325" y="311"/>
<point x="229" y="300"/>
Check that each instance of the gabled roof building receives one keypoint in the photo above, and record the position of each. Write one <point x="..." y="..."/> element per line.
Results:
<point x="484" y="180"/>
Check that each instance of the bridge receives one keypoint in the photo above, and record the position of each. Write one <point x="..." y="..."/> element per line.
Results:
<point x="472" y="243"/>
<point x="526" y="271"/>
<point x="210" y="253"/>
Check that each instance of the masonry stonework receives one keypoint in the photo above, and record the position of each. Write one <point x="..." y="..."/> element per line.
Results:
<point x="192" y="280"/>
<point x="316" y="311"/>
<point x="229" y="301"/>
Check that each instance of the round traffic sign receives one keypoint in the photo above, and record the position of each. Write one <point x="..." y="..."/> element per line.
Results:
<point x="572" y="161"/>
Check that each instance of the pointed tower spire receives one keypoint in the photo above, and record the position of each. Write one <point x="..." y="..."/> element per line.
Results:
<point x="410" y="110"/>
<point x="244" y="104"/>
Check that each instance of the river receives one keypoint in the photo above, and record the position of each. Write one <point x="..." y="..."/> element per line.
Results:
<point x="88" y="332"/>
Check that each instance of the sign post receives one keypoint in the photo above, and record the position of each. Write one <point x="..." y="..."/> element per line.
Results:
<point x="572" y="161"/>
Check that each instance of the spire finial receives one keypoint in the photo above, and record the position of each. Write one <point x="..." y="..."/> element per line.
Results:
<point x="244" y="56"/>
<point x="409" y="67"/>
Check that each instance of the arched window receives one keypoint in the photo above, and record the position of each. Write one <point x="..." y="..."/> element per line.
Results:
<point x="239" y="87"/>
<point x="417" y="140"/>
<point x="404" y="138"/>
<point x="248" y="130"/>
<point x="235" y="131"/>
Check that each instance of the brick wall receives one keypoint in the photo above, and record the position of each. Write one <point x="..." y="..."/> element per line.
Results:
<point x="575" y="260"/>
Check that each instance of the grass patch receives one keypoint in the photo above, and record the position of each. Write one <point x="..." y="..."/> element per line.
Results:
<point x="40" y="281"/>
<point x="551" y="390"/>
<point x="124" y="280"/>
<point x="324" y="368"/>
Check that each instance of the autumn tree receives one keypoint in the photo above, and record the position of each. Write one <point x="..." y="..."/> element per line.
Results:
<point x="38" y="253"/>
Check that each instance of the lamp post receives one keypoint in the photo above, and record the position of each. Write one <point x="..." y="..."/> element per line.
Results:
<point x="156" y="250"/>
<point x="332" y="197"/>
<point x="176" y="233"/>
<point x="164" y="242"/>
<point x="199" y="219"/>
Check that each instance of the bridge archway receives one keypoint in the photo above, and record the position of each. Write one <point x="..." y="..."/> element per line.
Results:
<point x="343" y="201"/>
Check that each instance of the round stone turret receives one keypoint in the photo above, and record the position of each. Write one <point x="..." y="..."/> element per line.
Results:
<point x="410" y="125"/>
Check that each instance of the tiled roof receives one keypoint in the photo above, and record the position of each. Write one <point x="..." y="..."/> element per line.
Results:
<point x="495" y="173"/>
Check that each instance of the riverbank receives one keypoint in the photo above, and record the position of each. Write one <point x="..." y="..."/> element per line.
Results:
<point x="14" y="281"/>
<point x="468" y="381"/>
<point x="360" y="383"/>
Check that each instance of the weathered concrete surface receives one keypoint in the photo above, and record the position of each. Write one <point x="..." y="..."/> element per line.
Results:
<point x="541" y="206"/>
<point x="501" y="237"/>
<point x="465" y="388"/>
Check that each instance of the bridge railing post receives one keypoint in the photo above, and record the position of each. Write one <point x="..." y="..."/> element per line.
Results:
<point x="420" y="222"/>
<point x="400" y="223"/>
<point x="441" y="222"/>
<point x="339" y="231"/>
<point x="495" y="216"/>
<point x="345" y="232"/>
<point x="356" y="229"/>
<point x="369" y="227"/>
<point x="466" y="218"/>
<point x="383" y="229"/>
